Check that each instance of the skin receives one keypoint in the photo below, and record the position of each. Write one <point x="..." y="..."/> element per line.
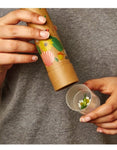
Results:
<point x="14" y="39"/>
<point x="105" y="116"/>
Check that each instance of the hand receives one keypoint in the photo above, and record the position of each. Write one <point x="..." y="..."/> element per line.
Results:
<point x="105" y="116"/>
<point x="13" y="38"/>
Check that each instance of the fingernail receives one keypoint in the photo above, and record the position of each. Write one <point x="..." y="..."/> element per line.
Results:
<point x="42" y="19"/>
<point x="34" y="58"/>
<point x="87" y="119"/>
<point x="82" y="120"/>
<point x="99" y="130"/>
<point x="44" y="34"/>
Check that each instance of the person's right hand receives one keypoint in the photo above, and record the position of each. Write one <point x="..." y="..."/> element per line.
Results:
<point x="105" y="116"/>
<point x="13" y="38"/>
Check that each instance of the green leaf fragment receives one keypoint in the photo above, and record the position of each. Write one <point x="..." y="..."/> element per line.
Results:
<point x="83" y="106"/>
<point x="56" y="43"/>
<point x="38" y="49"/>
<point x="84" y="97"/>
<point x="85" y="100"/>
<point x="56" y="59"/>
<point x="84" y="103"/>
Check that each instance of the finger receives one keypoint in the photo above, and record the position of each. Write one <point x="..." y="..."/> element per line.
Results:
<point x="101" y="111"/>
<point x="97" y="84"/>
<point x="23" y="39"/>
<point x="108" y="118"/>
<point x="22" y="15"/>
<point x="16" y="46"/>
<point x="17" y="31"/>
<point x="107" y="131"/>
<point x="6" y="58"/>
<point x="109" y="125"/>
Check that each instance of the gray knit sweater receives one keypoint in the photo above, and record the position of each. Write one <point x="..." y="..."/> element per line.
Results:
<point x="31" y="112"/>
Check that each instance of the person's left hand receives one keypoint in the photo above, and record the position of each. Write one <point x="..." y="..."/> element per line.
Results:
<point x="105" y="116"/>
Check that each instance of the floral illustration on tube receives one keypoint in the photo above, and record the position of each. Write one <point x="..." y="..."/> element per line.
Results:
<point x="48" y="58"/>
<point x="44" y="48"/>
<point x="45" y="45"/>
<point x="60" y="56"/>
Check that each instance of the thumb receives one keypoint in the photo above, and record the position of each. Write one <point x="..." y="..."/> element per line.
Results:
<point x="96" y="84"/>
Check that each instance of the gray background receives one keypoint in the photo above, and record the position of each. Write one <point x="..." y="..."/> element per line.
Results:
<point x="31" y="112"/>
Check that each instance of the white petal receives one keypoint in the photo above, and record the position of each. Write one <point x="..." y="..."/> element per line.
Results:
<point x="87" y="97"/>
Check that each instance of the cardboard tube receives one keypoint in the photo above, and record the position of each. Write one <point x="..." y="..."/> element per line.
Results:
<point x="55" y="59"/>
